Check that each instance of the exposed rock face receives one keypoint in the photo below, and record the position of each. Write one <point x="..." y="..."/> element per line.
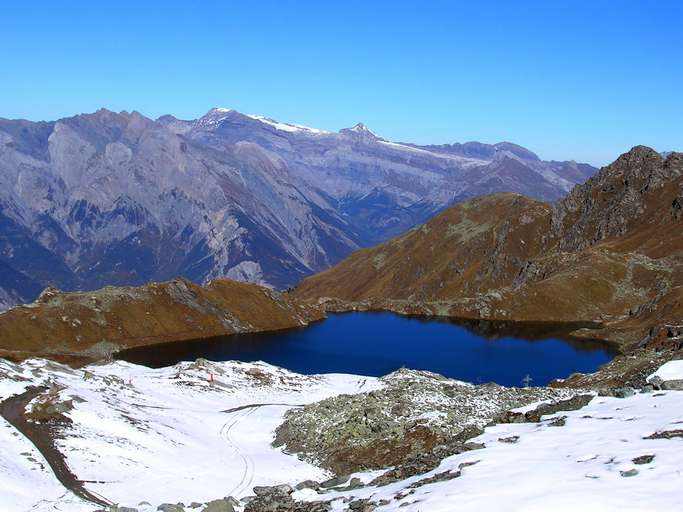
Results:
<point x="417" y="416"/>
<point x="614" y="203"/>
<point x="96" y="324"/>
<point x="118" y="199"/>
<point x="611" y="252"/>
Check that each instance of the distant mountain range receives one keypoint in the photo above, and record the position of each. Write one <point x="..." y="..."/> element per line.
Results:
<point x="119" y="199"/>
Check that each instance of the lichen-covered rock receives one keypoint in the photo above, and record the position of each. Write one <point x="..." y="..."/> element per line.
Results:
<point x="415" y="413"/>
<point x="278" y="498"/>
<point x="222" y="505"/>
<point x="171" y="507"/>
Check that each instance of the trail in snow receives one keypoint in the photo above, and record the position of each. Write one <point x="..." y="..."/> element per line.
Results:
<point x="247" y="460"/>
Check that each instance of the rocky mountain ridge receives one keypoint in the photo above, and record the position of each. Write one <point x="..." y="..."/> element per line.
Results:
<point x="120" y="199"/>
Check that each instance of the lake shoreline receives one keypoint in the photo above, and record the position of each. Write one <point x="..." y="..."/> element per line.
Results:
<point x="376" y="343"/>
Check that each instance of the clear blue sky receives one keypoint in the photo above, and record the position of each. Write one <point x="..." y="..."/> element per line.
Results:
<point x="568" y="79"/>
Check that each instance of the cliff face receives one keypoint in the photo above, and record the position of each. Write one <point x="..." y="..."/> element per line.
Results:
<point x="609" y="252"/>
<point x="95" y="324"/>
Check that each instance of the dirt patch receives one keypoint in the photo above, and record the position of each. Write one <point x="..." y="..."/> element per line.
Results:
<point x="39" y="428"/>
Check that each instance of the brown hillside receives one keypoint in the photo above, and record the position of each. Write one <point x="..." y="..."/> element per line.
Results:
<point x="95" y="324"/>
<point x="610" y="252"/>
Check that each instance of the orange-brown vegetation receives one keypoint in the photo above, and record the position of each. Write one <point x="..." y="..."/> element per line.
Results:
<point x="610" y="252"/>
<point x="95" y="324"/>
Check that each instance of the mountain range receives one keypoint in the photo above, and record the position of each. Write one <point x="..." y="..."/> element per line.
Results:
<point x="120" y="199"/>
<point x="605" y="262"/>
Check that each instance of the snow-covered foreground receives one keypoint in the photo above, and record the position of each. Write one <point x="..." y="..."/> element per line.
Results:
<point x="600" y="460"/>
<point x="166" y="435"/>
<point x="201" y="431"/>
<point x="26" y="481"/>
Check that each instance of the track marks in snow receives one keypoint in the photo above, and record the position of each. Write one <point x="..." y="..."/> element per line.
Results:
<point x="248" y="462"/>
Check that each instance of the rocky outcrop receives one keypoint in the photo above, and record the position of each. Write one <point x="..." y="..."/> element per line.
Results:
<point x="415" y="420"/>
<point x="614" y="202"/>
<point x="94" y="325"/>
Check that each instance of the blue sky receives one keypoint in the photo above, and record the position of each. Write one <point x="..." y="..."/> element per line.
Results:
<point x="568" y="79"/>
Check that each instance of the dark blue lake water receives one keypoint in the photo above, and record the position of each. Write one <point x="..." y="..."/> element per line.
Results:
<point x="378" y="343"/>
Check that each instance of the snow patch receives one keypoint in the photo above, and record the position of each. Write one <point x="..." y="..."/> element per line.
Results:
<point x="672" y="370"/>
<point x="285" y="127"/>
<point x="597" y="461"/>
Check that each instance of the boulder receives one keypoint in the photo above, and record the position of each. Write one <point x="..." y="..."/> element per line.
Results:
<point x="624" y="392"/>
<point x="355" y="483"/>
<point x="362" y="505"/>
<point x="334" y="482"/>
<point x="275" y="498"/>
<point x="673" y="385"/>
<point x="170" y="507"/>
<point x="643" y="459"/>
<point x="308" y="484"/>
<point x="282" y="489"/>
<point x="656" y="381"/>
<point x="224" y="505"/>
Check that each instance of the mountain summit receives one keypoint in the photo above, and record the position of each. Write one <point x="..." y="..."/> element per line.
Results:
<point x="361" y="133"/>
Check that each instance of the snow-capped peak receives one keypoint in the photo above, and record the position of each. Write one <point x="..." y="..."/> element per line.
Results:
<point x="213" y="117"/>
<point x="361" y="131"/>
<point x="216" y="116"/>
<point x="361" y="128"/>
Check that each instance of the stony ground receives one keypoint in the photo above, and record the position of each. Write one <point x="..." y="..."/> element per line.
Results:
<point x="413" y="414"/>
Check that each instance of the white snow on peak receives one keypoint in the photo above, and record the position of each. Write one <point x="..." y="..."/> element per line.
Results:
<point x="213" y="117"/>
<point x="285" y="127"/>
<point x="361" y="128"/>
<point x="218" y="114"/>
<point x="464" y="161"/>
